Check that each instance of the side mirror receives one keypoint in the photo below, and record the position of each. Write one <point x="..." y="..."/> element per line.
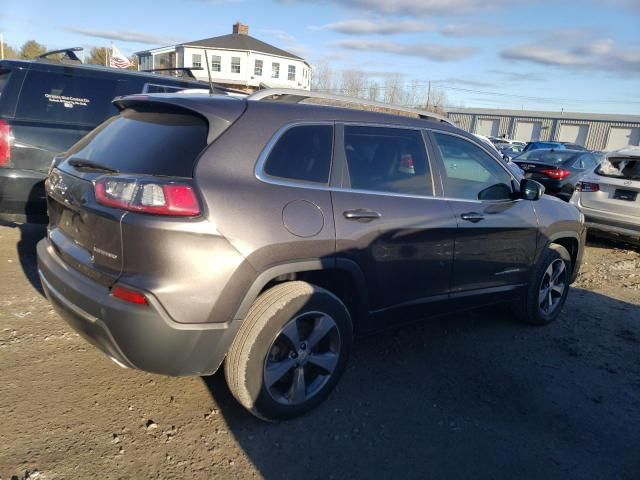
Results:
<point x="530" y="189"/>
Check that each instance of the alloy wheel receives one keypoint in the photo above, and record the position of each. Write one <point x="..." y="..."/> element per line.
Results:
<point x="552" y="286"/>
<point x="302" y="358"/>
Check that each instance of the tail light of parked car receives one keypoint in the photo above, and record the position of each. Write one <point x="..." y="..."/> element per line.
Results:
<point x="151" y="196"/>
<point x="556" y="174"/>
<point x="5" y="143"/>
<point x="587" y="187"/>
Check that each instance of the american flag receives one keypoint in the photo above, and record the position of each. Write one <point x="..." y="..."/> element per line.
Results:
<point x="117" y="59"/>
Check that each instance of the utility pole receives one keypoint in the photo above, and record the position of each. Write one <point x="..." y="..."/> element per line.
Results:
<point x="429" y="95"/>
<point x="1" y="46"/>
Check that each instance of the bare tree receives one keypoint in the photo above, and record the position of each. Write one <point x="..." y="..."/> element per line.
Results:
<point x="353" y="83"/>
<point x="393" y="88"/>
<point x="323" y="78"/>
<point x="437" y="101"/>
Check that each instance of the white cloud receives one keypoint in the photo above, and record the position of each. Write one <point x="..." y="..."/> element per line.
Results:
<point x="123" y="36"/>
<point x="472" y="30"/>
<point x="279" y="34"/>
<point x="418" y="7"/>
<point x="429" y="51"/>
<point x="574" y="50"/>
<point x="381" y="27"/>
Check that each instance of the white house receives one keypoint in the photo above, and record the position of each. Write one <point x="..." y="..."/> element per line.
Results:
<point x="236" y="60"/>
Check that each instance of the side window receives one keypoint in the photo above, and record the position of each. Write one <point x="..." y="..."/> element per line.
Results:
<point x="589" y="161"/>
<point x="470" y="172"/>
<point x="302" y="153"/>
<point x="71" y="98"/>
<point x="390" y="160"/>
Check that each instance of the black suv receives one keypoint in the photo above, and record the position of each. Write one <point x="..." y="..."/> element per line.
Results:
<point x="45" y="107"/>
<point x="189" y="231"/>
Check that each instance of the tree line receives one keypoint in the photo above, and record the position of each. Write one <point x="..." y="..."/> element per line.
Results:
<point x="32" y="49"/>
<point x="388" y="88"/>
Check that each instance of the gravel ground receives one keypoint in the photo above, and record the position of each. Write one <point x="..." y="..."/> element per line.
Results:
<point x="467" y="396"/>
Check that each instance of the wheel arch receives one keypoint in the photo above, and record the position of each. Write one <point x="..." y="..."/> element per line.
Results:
<point x="341" y="276"/>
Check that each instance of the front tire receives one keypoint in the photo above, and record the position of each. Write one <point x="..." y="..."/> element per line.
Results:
<point x="290" y="352"/>
<point x="547" y="292"/>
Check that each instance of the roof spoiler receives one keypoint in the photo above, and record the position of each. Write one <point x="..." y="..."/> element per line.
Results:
<point x="69" y="55"/>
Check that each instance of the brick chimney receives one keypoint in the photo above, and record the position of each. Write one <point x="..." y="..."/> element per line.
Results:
<point x="240" y="28"/>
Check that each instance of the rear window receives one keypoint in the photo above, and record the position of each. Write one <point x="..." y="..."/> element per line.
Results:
<point x="551" y="158"/>
<point x="620" y="168"/>
<point x="302" y="153"/>
<point x="67" y="98"/>
<point x="4" y="78"/>
<point x="165" y="143"/>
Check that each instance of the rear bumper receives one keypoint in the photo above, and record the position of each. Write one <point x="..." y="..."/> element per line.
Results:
<point x="610" y="223"/>
<point x="133" y="336"/>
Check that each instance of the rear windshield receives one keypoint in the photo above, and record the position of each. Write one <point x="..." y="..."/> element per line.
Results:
<point x="4" y="78"/>
<point x="551" y="158"/>
<point x="165" y="143"/>
<point x="620" y="168"/>
<point x="67" y="98"/>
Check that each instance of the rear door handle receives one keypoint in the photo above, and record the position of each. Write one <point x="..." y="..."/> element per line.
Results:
<point x="362" y="215"/>
<point x="473" y="217"/>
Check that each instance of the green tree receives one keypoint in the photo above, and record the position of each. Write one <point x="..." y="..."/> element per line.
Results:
<point x="9" y="51"/>
<point x="32" y="49"/>
<point x="97" y="56"/>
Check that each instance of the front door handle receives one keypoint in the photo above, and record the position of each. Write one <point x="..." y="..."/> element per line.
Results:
<point x="473" y="217"/>
<point x="361" y="215"/>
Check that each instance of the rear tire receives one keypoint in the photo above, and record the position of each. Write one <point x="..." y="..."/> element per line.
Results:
<point x="548" y="290"/>
<point x="290" y="352"/>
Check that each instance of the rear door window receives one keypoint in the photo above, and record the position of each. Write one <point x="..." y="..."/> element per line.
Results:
<point x="390" y="160"/>
<point x="73" y="98"/>
<point x="470" y="172"/>
<point x="151" y="142"/>
<point x="302" y="153"/>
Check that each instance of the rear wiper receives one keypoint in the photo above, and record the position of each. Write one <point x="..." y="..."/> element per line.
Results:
<point x="89" y="165"/>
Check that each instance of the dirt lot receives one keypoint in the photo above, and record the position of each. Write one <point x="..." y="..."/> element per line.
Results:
<point x="467" y="396"/>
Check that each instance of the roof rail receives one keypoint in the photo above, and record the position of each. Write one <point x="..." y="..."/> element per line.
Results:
<point x="69" y="54"/>
<point x="187" y="70"/>
<point x="295" y="96"/>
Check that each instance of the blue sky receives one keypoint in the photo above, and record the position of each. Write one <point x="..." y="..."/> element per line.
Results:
<point x="543" y="55"/>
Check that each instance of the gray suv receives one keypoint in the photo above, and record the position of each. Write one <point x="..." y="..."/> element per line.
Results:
<point x="192" y="231"/>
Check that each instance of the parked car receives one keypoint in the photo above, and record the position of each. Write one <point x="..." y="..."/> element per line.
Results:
<point x="507" y="161"/>
<point x="509" y="151"/>
<point x="190" y="231"/>
<point x="558" y="170"/>
<point x="498" y="141"/>
<point x="609" y="196"/>
<point x="45" y="107"/>
<point x="554" y="145"/>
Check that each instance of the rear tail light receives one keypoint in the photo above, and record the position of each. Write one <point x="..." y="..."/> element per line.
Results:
<point x="587" y="187"/>
<point x="5" y="144"/>
<point x="150" y="196"/>
<point x="556" y="174"/>
<point x="128" y="295"/>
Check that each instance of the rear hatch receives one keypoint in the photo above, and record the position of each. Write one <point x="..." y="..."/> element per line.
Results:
<point x="618" y="186"/>
<point x="148" y="143"/>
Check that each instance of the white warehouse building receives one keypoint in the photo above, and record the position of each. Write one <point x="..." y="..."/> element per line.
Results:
<point x="237" y="60"/>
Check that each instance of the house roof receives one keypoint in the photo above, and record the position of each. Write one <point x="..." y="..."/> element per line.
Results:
<point x="235" y="41"/>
